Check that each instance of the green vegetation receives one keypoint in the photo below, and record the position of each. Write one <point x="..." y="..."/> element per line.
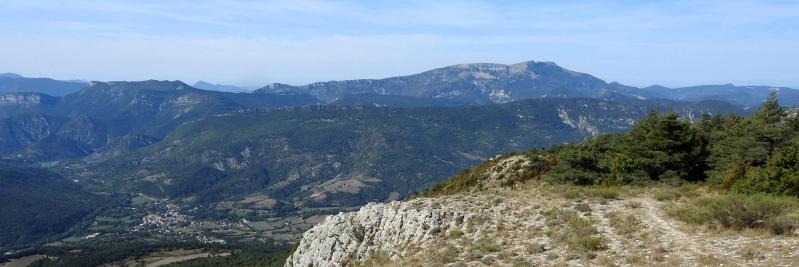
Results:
<point x="657" y="147"/>
<point x="755" y="154"/>
<point x="255" y="254"/>
<point x="671" y="193"/>
<point x="753" y="161"/>
<point x="38" y="205"/>
<point x="738" y="211"/>
<point x="96" y="253"/>
<point x="406" y="148"/>
<point x="539" y="163"/>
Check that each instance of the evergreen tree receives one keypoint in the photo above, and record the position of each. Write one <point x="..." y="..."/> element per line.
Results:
<point x="705" y="124"/>
<point x="666" y="143"/>
<point x="770" y="112"/>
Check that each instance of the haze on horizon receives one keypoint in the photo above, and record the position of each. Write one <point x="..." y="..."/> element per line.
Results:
<point x="253" y="43"/>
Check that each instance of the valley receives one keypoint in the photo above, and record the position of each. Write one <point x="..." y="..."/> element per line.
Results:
<point x="176" y="168"/>
<point x="319" y="133"/>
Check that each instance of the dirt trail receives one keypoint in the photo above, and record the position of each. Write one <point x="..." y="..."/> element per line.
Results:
<point x="606" y="230"/>
<point x="513" y="227"/>
<point x="691" y="246"/>
<point x="664" y="240"/>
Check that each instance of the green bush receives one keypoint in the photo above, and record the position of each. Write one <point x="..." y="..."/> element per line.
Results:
<point x="779" y="176"/>
<point x="737" y="211"/>
<point x="666" y="195"/>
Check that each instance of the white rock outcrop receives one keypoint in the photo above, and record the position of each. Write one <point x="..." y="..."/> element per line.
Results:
<point x="352" y="237"/>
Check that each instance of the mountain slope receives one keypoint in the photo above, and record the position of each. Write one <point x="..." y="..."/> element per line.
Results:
<point x="111" y="111"/>
<point x="10" y="82"/>
<point x="37" y="204"/>
<point x="618" y="199"/>
<point x="10" y="75"/>
<point x="339" y="156"/>
<point x="482" y="83"/>
<point x="149" y="107"/>
<point x="219" y="87"/>
<point x="45" y="137"/>
<point x="746" y="96"/>
<point x="377" y="100"/>
<point x="478" y="83"/>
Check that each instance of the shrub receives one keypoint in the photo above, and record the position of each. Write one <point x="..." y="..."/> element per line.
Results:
<point x="606" y="192"/>
<point x="582" y="207"/>
<point x="779" y="176"/>
<point x="666" y="195"/>
<point x="781" y="225"/>
<point x="582" y="236"/>
<point x="737" y="211"/>
<point x="455" y="234"/>
<point x="624" y="225"/>
<point x="376" y="258"/>
<point x="577" y="233"/>
<point x="486" y="244"/>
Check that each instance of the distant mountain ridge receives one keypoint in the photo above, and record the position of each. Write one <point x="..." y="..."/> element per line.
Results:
<point x="482" y="83"/>
<point x="10" y="75"/>
<point x="746" y="96"/>
<point x="479" y="83"/>
<point x="221" y="87"/>
<point x="113" y="112"/>
<point x="12" y="82"/>
<point x="461" y="84"/>
<point x="143" y="112"/>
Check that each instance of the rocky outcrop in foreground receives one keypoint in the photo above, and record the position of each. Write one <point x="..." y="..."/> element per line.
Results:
<point x="537" y="225"/>
<point x="395" y="229"/>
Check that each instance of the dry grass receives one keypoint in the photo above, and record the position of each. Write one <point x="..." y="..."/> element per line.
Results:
<point x="486" y="244"/>
<point x="377" y="258"/>
<point x="737" y="212"/>
<point x="683" y="191"/>
<point x="624" y="224"/>
<point x="577" y="233"/>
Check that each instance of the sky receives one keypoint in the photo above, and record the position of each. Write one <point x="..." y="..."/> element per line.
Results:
<point x="253" y="43"/>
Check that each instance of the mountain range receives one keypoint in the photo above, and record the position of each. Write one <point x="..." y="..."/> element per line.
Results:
<point x="485" y="83"/>
<point x="307" y="150"/>
<point x="462" y="84"/>
<point x="221" y="87"/>
<point x="342" y="156"/>
<point x="12" y="82"/>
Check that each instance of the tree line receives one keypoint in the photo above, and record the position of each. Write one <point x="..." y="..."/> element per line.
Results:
<point x="748" y="154"/>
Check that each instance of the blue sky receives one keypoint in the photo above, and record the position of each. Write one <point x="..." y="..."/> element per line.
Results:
<point x="673" y="43"/>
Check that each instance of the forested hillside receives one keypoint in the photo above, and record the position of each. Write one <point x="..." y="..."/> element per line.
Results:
<point x="745" y="154"/>
<point x="339" y="156"/>
<point x="39" y="205"/>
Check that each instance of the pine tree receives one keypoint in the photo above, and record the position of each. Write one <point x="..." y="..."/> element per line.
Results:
<point x="770" y="112"/>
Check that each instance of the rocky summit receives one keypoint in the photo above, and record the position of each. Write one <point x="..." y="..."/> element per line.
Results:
<point x="533" y="224"/>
